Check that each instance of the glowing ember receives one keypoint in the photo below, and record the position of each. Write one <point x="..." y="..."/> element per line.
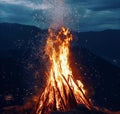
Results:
<point x="62" y="92"/>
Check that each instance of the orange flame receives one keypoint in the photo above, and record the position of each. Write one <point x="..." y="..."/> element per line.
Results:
<point x="62" y="92"/>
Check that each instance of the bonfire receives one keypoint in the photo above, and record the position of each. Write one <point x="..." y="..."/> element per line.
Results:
<point x="62" y="91"/>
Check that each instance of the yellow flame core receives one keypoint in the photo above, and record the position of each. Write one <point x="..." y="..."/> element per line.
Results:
<point x="61" y="92"/>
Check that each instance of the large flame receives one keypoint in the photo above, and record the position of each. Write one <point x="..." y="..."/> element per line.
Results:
<point x="61" y="92"/>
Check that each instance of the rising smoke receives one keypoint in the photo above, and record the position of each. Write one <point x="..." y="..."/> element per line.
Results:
<point x="55" y="14"/>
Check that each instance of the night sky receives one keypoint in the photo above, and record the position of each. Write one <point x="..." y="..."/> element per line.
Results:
<point x="82" y="15"/>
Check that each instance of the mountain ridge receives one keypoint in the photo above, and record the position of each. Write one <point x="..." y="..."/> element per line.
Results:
<point x="102" y="43"/>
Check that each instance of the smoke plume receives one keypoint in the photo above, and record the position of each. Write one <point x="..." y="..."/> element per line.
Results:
<point x="55" y="14"/>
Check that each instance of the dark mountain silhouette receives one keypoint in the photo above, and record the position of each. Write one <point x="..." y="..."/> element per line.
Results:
<point x="18" y="63"/>
<point x="104" y="43"/>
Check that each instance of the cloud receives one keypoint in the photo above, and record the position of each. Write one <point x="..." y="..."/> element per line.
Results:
<point x="96" y="15"/>
<point x="83" y="15"/>
<point x="100" y="20"/>
<point x="20" y="11"/>
<point x="106" y="5"/>
<point x="27" y="3"/>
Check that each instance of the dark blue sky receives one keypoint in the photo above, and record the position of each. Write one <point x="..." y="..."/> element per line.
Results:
<point x="83" y="15"/>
